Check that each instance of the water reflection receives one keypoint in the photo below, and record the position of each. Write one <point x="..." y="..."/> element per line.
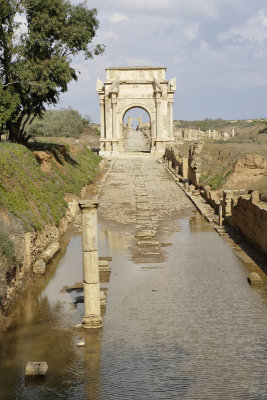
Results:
<point x="191" y="329"/>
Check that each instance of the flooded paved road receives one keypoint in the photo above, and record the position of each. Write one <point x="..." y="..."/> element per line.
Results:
<point x="181" y="322"/>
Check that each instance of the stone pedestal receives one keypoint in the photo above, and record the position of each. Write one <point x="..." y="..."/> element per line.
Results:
<point x="92" y="314"/>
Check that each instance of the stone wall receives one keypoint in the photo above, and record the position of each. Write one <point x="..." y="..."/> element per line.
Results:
<point x="249" y="215"/>
<point x="241" y="208"/>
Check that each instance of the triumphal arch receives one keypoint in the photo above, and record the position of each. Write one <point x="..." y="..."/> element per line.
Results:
<point x="130" y="87"/>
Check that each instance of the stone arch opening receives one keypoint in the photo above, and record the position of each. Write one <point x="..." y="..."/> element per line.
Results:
<point x="136" y="129"/>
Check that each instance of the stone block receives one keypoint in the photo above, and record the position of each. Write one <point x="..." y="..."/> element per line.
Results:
<point x="38" y="368"/>
<point x="102" y="298"/>
<point x="148" y="243"/>
<point x="104" y="267"/>
<point x="254" y="279"/>
<point x="81" y="343"/>
<point x="255" y="197"/>
<point x="39" y="266"/>
<point x="50" y="251"/>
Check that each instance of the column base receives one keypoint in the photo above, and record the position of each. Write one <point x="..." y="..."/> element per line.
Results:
<point x="159" y="145"/>
<point x="92" y="322"/>
<point x="109" y="147"/>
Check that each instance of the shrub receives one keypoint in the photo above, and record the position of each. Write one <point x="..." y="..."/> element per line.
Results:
<point x="66" y="122"/>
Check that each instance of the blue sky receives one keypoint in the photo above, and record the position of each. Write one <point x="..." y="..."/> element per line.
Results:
<point x="217" y="50"/>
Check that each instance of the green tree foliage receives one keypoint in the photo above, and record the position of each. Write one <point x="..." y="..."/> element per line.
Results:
<point x="35" y="65"/>
<point x="68" y="123"/>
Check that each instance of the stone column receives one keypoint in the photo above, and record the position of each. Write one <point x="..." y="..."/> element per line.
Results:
<point x="102" y="116"/>
<point x="220" y="215"/>
<point x="171" y="118"/>
<point x="158" y="116"/>
<point x="92" y="314"/>
<point x="114" y="116"/>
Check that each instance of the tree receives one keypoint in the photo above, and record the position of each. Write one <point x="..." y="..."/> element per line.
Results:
<point x="35" y="62"/>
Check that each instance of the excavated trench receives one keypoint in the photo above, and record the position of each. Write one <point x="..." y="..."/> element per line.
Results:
<point x="181" y="321"/>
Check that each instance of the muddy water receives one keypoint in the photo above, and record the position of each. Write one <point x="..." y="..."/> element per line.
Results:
<point x="183" y="325"/>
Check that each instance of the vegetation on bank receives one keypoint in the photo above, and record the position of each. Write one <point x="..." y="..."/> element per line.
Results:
<point x="214" y="180"/>
<point x="218" y="162"/>
<point x="59" y="123"/>
<point x="218" y="124"/>
<point x="7" y="246"/>
<point x="36" y="197"/>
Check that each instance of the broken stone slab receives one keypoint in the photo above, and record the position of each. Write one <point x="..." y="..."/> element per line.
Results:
<point x="254" y="279"/>
<point x="144" y="221"/>
<point x="50" y="251"/>
<point x="146" y="243"/>
<point x="105" y="258"/>
<point x="81" y="343"/>
<point x="143" y="206"/>
<point x="44" y="258"/>
<point x="77" y="326"/>
<point x="39" y="266"/>
<point x="36" y="368"/>
<point x="145" y="234"/>
<point x="104" y="266"/>
<point x="150" y="252"/>
<point x="102" y="298"/>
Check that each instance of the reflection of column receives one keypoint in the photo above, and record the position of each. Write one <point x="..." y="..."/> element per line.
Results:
<point x="92" y="368"/>
<point x="102" y="116"/>
<point x="158" y="115"/>
<point x="92" y="314"/>
<point x="171" y="117"/>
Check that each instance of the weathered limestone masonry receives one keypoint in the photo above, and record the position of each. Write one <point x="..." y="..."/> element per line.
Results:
<point x="250" y="216"/>
<point x="129" y="87"/>
<point x="240" y="209"/>
<point x="92" y="312"/>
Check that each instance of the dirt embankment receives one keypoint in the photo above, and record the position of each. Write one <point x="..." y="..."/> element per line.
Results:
<point x="39" y="189"/>
<point x="224" y="165"/>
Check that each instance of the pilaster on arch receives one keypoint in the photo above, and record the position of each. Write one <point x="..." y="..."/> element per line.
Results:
<point x="130" y="87"/>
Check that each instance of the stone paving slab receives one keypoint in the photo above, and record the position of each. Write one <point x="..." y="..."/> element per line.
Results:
<point x="139" y="193"/>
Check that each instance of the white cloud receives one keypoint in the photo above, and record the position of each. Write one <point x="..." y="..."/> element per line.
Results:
<point x="139" y="62"/>
<point x="191" y="32"/>
<point x="204" y="8"/>
<point x="203" y="45"/>
<point x="253" y="30"/>
<point x="109" y="35"/>
<point x="117" y="17"/>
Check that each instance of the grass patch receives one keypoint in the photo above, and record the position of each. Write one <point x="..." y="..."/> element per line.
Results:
<point x="214" y="181"/>
<point x="35" y="197"/>
<point x="7" y="247"/>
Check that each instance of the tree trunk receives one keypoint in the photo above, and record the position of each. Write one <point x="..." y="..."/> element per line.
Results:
<point x="14" y="132"/>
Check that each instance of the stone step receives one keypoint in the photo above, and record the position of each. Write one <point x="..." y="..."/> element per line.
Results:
<point x="146" y="243"/>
